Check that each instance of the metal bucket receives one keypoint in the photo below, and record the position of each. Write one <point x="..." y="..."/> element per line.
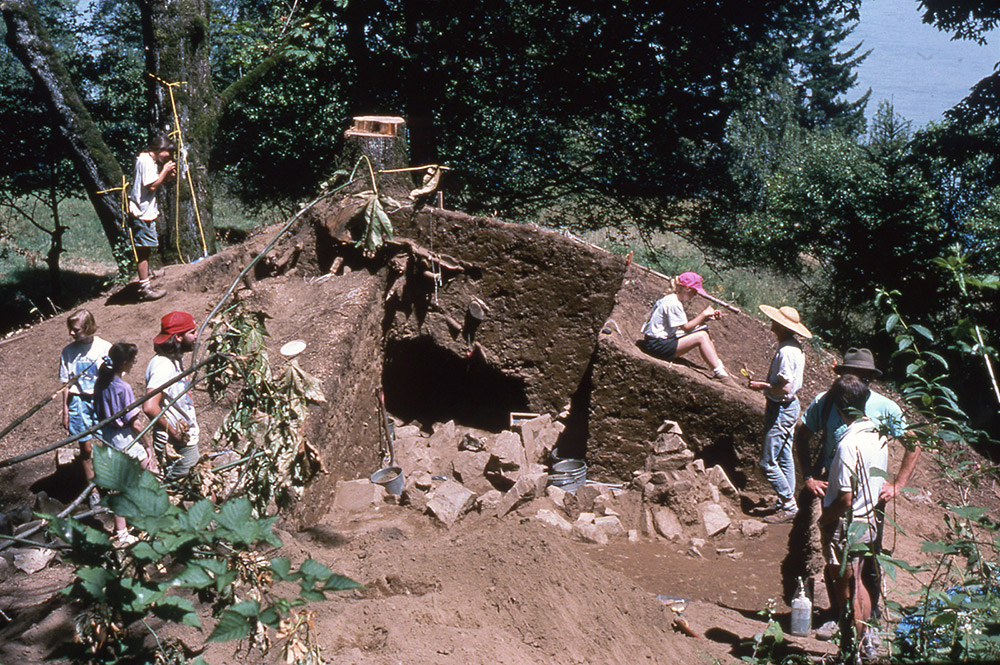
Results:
<point x="391" y="478"/>
<point x="569" y="474"/>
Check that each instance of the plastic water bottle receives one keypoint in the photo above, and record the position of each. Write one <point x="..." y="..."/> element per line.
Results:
<point x="801" y="612"/>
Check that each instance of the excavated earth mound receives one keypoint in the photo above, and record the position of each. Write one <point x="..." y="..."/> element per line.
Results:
<point x="461" y="321"/>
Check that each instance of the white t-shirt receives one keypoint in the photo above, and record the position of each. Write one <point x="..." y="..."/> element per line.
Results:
<point x="788" y="363"/>
<point x="859" y="450"/>
<point x="667" y="315"/>
<point x="85" y="360"/>
<point x="160" y="370"/>
<point x="142" y="200"/>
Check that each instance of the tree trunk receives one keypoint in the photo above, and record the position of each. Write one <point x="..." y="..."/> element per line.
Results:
<point x="29" y="41"/>
<point x="175" y="34"/>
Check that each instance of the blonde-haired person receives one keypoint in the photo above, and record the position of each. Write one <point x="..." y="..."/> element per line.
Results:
<point x="784" y="379"/>
<point x="669" y="334"/>
<point x="78" y="366"/>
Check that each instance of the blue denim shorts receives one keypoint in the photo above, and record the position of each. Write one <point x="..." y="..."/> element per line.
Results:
<point x="144" y="233"/>
<point x="81" y="415"/>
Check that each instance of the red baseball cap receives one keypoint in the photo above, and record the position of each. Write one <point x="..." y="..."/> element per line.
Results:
<point x="172" y="324"/>
<point x="692" y="280"/>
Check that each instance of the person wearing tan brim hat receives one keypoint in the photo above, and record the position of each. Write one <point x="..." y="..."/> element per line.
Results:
<point x="784" y="379"/>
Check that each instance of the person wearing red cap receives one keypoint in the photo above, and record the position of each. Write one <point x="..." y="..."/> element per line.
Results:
<point x="178" y="425"/>
<point x="669" y="334"/>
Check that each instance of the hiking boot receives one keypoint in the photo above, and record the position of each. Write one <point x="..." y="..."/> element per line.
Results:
<point x="783" y="516"/>
<point x="725" y="379"/>
<point x="148" y="292"/>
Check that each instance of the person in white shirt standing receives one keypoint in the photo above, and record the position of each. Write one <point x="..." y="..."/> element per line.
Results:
<point x="178" y="426"/>
<point x="153" y="168"/>
<point x="784" y="379"/>
<point x="78" y="366"/>
<point x="857" y="474"/>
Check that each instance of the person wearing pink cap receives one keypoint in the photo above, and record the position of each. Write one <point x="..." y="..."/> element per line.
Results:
<point x="669" y="334"/>
<point x="178" y="425"/>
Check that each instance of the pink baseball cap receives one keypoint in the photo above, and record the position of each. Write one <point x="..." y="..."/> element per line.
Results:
<point x="172" y="324"/>
<point x="692" y="280"/>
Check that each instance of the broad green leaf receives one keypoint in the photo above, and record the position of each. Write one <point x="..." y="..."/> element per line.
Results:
<point x="231" y="626"/>
<point x="968" y="512"/>
<point x="176" y="609"/>
<point x="235" y="513"/>
<point x="313" y="569"/>
<point x="281" y="567"/>
<point x="923" y="331"/>
<point x="891" y="322"/>
<point x="114" y="470"/>
<point x="341" y="583"/>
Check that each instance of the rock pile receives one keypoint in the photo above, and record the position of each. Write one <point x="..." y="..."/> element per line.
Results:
<point x="456" y="470"/>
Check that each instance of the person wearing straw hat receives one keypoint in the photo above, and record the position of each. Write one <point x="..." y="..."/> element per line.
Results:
<point x="784" y="379"/>
<point x="669" y="334"/>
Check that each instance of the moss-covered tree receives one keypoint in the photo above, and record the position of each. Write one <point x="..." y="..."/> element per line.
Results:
<point x="176" y="47"/>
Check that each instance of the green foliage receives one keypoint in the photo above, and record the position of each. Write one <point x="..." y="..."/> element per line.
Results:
<point x="206" y="552"/>
<point x="265" y="423"/>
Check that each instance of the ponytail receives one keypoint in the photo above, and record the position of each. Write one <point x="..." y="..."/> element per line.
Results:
<point x="121" y="354"/>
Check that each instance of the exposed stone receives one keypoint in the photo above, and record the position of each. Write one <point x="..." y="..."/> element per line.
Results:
<point x="509" y="451"/>
<point x="404" y="431"/>
<point x="487" y="503"/>
<point x="590" y="533"/>
<point x="552" y="518"/>
<point x="752" y="528"/>
<point x="557" y="494"/>
<point x="610" y="525"/>
<point x="414" y="496"/>
<point x="717" y="476"/>
<point x="697" y="542"/>
<point x="586" y="495"/>
<point x="714" y="518"/>
<point x="527" y="487"/>
<point x="539" y="436"/>
<point x="676" y="460"/>
<point x="648" y="523"/>
<point x="714" y="493"/>
<point x="355" y="496"/>
<point x="469" y="468"/>
<point x="423" y="480"/>
<point x="65" y="456"/>
<point x="33" y="559"/>
<point x="633" y="536"/>
<point x="666" y="523"/>
<point x="446" y="435"/>
<point x="449" y="501"/>
<point x="586" y="518"/>
<point x="698" y="466"/>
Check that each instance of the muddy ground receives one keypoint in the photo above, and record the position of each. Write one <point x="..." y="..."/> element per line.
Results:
<point x="486" y="590"/>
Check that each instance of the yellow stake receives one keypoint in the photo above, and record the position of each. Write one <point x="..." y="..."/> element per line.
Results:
<point x="187" y="169"/>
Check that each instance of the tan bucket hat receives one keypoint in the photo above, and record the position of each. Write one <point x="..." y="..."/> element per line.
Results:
<point x="787" y="317"/>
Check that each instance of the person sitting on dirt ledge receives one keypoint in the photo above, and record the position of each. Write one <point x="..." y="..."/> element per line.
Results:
<point x="669" y="334"/>
<point x="784" y="379"/>
<point x="178" y="426"/>
<point x="856" y="478"/>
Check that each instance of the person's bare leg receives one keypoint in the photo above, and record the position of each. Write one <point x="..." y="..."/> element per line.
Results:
<point x="862" y="603"/>
<point x="142" y="265"/>
<point x="703" y="343"/>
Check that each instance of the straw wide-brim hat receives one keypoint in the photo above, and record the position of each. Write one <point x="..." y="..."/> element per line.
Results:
<point x="787" y="317"/>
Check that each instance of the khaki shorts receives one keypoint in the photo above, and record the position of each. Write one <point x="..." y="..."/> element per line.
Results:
<point x="144" y="233"/>
<point x="835" y="545"/>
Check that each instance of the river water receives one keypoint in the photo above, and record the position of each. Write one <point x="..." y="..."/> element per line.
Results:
<point x="915" y="66"/>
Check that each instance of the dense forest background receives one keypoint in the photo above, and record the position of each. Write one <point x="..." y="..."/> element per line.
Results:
<point x="720" y="123"/>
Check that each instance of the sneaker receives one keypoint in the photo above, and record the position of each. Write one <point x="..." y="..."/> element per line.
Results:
<point x="725" y="379"/>
<point x="783" y="516"/>
<point x="827" y="631"/>
<point x="148" y="292"/>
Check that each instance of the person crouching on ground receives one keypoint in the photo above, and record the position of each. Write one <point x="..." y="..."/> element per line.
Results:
<point x="851" y="496"/>
<point x="78" y="367"/>
<point x="784" y="379"/>
<point x="178" y="426"/>
<point x="153" y="168"/>
<point x="669" y="334"/>
<point x="113" y="394"/>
